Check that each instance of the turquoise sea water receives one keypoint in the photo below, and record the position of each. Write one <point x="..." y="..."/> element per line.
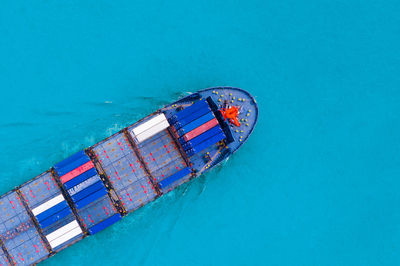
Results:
<point x="316" y="184"/>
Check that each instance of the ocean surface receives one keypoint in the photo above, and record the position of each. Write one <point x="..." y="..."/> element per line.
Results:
<point x="318" y="182"/>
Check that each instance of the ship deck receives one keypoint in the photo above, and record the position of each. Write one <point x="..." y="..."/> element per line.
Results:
<point x="94" y="188"/>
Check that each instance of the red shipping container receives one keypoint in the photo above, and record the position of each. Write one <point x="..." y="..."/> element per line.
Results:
<point x="77" y="171"/>
<point x="201" y="129"/>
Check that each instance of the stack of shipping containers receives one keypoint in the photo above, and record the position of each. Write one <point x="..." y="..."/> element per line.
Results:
<point x="87" y="192"/>
<point x="197" y="127"/>
<point x="18" y="233"/>
<point x="52" y="212"/>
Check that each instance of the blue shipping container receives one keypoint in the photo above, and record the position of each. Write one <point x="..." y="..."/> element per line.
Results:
<point x="196" y="123"/>
<point x="186" y="120"/>
<point x="206" y="144"/>
<point x="53" y="210"/>
<point x="72" y="165"/>
<point x="88" y="191"/>
<point x="80" y="178"/>
<point x="178" y="175"/>
<point x="189" y="110"/>
<point x="70" y="159"/>
<point x="54" y="218"/>
<point x="85" y="184"/>
<point x="98" y="194"/>
<point x="104" y="224"/>
<point x="202" y="137"/>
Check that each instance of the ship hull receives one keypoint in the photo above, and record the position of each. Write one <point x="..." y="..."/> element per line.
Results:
<point x="94" y="188"/>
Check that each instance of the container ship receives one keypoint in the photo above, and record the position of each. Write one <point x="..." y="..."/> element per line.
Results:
<point x="94" y="188"/>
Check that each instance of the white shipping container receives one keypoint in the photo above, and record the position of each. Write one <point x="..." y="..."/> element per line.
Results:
<point x="64" y="238"/>
<point x="152" y="131"/>
<point x="62" y="230"/>
<point x="148" y="124"/>
<point x="48" y="204"/>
